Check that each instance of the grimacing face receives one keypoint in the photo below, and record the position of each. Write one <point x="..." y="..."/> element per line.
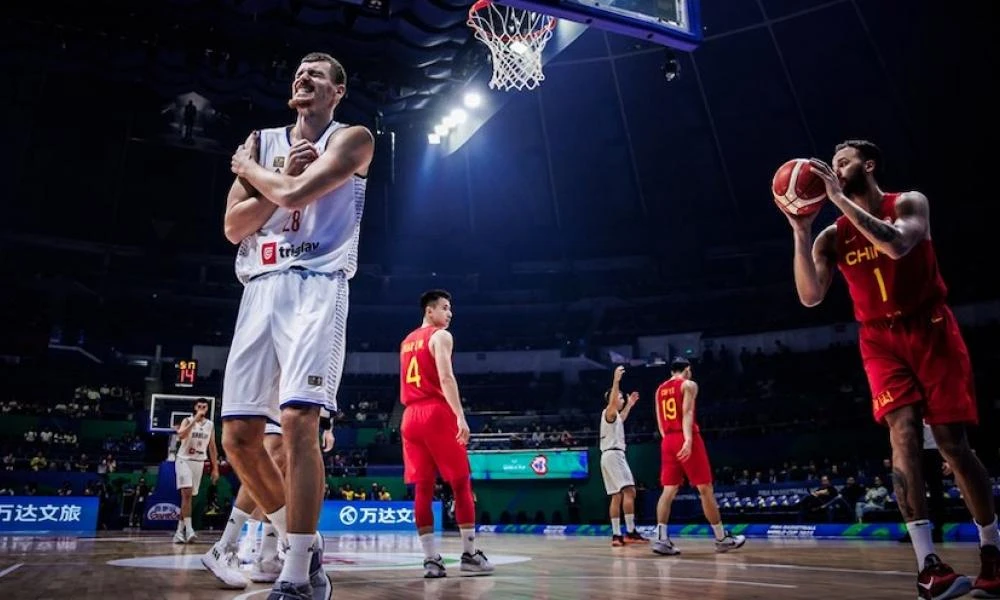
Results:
<point x="313" y="86"/>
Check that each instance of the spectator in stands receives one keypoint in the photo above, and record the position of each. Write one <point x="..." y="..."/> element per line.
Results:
<point x="66" y="489"/>
<point x="822" y="498"/>
<point x="39" y="462"/>
<point x="852" y="492"/>
<point x="8" y="461"/>
<point x="384" y="494"/>
<point x="573" y="504"/>
<point x="875" y="499"/>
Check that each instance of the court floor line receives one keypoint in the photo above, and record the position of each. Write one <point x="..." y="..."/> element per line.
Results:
<point x="794" y="567"/>
<point x="533" y="577"/>
<point x="11" y="569"/>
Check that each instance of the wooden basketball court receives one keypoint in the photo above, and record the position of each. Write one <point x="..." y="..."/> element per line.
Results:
<point x="148" y="566"/>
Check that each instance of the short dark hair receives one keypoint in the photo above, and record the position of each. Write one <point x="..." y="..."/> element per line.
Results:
<point x="432" y="296"/>
<point x="337" y="72"/>
<point x="202" y="401"/>
<point x="679" y="364"/>
<point x="867" y="150"/>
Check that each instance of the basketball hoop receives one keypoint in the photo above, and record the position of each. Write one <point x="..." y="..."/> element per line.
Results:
<point x="516" y="38"/>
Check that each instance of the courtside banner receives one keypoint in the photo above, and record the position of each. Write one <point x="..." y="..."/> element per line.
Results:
<point x="953" y="532"/>
<point x="47" y="514"/>
<point x="372" y="516"/>
<point x="528" y="464"/>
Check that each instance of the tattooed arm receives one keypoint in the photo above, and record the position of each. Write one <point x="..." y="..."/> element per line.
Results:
<point x="893" y="239"/>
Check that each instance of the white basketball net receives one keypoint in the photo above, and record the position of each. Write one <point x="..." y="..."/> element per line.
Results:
<point x="516" y="39"/>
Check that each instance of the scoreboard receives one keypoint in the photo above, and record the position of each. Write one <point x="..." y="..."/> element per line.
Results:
<point x="186" y="373"/>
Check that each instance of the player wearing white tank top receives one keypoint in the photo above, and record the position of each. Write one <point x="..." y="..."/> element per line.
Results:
<point x="618" y="480"/>
<point x="197" y="443"/>
<point x="301" y="212"/>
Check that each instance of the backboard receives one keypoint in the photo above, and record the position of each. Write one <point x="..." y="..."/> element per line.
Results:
<point x="166" y="411"/>
<point x="673" y="23"/>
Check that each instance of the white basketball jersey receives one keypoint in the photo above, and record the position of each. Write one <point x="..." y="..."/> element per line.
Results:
<point x="322" y="236"/>
<point x="195" y="445"/>
<point x="612" y="434"/>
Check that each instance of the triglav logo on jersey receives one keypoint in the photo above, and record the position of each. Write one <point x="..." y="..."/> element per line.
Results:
<point x="540" y="465"/>
<point x="271" y="251"/>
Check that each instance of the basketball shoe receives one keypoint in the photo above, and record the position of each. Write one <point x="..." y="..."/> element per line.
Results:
<point x="265" y="570"/>
<point x="665" y="547"/>
<point x="634" y="537"/>
<point x="730" y="542"/>
<point x="318" y="579"/>
<point x="617" y="541"/>
<point x="987" y="585"/>
<point x="434" y="568"/>
<point x="284" y="590"/>
<point x="476" y="563"/>
<point x="222" y="562"/>
<point x="938" y="581"/>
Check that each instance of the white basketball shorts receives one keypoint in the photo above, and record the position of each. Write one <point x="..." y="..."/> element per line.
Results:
<point x="189" y="474"/>
<point x="289" y="344"/>
<point x="616" y="472"/>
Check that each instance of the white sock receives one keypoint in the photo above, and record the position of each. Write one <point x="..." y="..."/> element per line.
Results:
<point x="718" y="530"/>
<point x="630" y="522"/>
<point x="280" y="522"/>
<point x="296" y="569"/>
<point x="616" y="526"/>
<point x="269" y="543"/>
<point x="187" y="524"/>
<point x="661" y="532"/>
<point x="920" y="535"/>
<point x="180" y="525"/>
<point x="231" y="534"/>
<point x="427" y="541"/>
<point x="988" y="534"/>
<point x="468" y="540"/>
<point x="253" y="528"/>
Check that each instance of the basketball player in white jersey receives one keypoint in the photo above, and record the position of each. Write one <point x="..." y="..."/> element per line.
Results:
<point x="296" y="208"/>
<point x="197" y="436"/>
<point x="618" y="480"/>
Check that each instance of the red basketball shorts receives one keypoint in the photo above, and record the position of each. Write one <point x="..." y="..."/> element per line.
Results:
<point x="696" y="468"/>
<point x="920" y="359"/>
<point x="429" y="445"/>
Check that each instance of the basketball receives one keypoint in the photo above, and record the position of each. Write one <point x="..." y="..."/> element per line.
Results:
<point x="797" y="189"/>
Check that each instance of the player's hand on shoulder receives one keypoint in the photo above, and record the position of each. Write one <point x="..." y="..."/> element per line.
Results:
<point x="246" y="154"/>
<point x="302" y="154"/>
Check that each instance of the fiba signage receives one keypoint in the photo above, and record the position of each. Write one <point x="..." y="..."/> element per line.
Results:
<point x="373" y="516"/>
<point x="163" y="511"/>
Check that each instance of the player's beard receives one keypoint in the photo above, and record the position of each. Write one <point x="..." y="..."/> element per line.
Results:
<point x="856" y="184"/>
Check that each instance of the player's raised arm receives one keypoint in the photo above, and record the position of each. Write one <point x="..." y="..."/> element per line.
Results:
<point x="895" y="239"/>
<point x="629" y="403"/>
<point x="184" y="429"/>
<point x="348" y="152"/>
<point x="611" y="410"/>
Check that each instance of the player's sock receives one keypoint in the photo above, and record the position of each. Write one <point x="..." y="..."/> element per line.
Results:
<point x="468" y="540"/>
<point x="616" y="526"/>
<point x="988" y="534"/>
<point x="280" y="522"/>
<point x="231" y="534"/>
<point x="920" y="536"/>
<point x="430" y="549"/>
<point x="718" y="530"/>
<point x="253" y="530"/>
<point x="180" y="526"/>
<point x="187" y="524"/>
<point x="661" y="532"/>
<point x="296" y="569"/>
<point x="630" y="522"/>
<point x="269" y="543"/>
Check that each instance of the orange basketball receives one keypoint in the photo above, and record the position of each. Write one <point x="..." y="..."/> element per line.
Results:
<point x="797" y="189"/>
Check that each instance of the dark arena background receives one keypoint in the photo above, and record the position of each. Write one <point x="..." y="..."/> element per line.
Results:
<point x="618" y="213"/>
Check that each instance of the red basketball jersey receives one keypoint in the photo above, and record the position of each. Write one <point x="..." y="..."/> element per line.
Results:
<point x="418" y="375"/>
<point x="670" y="406"/>
<point x="881" y="287"/>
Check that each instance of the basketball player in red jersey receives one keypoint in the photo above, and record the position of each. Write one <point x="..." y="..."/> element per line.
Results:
<point x="435" y="433"/>
<point x="913" y="352"/>
<point x="682" y="453"/>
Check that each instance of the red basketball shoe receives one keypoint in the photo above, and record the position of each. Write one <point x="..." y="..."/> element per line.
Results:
<point x="938" y="581"/>
<point x="987" y="585"/>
